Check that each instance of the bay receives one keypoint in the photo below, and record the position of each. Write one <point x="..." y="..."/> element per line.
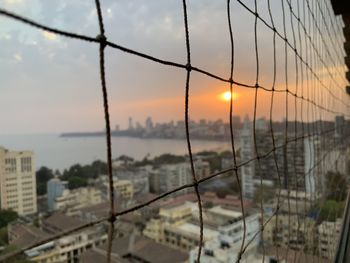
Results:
<point x="60" y="153"/>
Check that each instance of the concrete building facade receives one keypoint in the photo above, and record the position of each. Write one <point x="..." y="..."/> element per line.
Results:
<point x="18" y="181"/>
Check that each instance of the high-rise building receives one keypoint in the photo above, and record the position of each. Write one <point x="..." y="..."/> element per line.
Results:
<point x="17" y="181"/>
<point x="295" y="160"/>
<point x="131" y="124"/>
<point x="149" y="124"/>
<point x="339" y="124"/>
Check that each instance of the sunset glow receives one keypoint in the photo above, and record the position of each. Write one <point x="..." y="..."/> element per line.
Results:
<point x="226" y="96"/>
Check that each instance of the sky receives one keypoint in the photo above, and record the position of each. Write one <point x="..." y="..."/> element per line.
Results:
<point x="50" y="84"/>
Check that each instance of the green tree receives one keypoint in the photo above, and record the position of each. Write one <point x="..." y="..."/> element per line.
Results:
<point x="214" y="163"/>
<point x="226" y="154"/>
<point x="336" y="186"/>
<point x="98" y="167"/>
<point x="207" y="153"/>
<point x="76" y="182"/>
<point x="43" y="175"/>
<point x="125" y="158"/>
<point x="168" y="159"/>
<point x="331" y="210"/>
<point x="143" y="162"/>
<point x="3" y="236"/>
<point x="7" y="216"/>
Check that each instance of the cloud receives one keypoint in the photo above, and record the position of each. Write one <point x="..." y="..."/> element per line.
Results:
<point x="18" y="57"/>
<point x="49" y="35"/>
<point x="109" y="12"/>
<point x="13" y="2"/>
<point x="5" y="36"/>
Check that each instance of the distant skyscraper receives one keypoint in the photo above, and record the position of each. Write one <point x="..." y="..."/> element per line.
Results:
<point x="55" y="188"/>
<point x="236" y="120"/>
<point x="131" y="124"/>
<point x="149" y="124"/>
<point x="339" y="127"/>
<point x="17" y="181"/>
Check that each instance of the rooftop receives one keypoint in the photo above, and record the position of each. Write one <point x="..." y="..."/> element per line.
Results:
<point x="194" y="230"/>
<point x="24" y="235"/>
<point x="59" y="222"/>
<point x="225" y="212"/>
<point x="127" y="249"/>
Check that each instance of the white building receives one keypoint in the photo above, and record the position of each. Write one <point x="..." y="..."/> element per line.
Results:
<point x="226" y="246"/>
<point x="328" y="234"/>
<point x="73" y="200"/>
<point x="170" y="176"/>
<point x="18" y="181"/>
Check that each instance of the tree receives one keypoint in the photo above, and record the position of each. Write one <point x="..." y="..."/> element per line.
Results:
<point x="331" y="210"/>
<point x="98" y="167"/>
<point x="125" y="158"/>
<point x="7" y="216"/>
<point x="336" y="186"/>
<point x="214" y="163"/>
<point x="76" y="182"/>
<point x="3" y="236"/>
<point x="168" y="159"/>
<point x="43" y="175"/>
<point x="207" y="153"/>
<point x="226" y="154"/>
<point x="143" y="162"/>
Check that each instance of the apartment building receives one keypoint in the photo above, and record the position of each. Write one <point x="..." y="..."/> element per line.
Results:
<point x="295" y="162"/>
<point x="170" y="176"/>
<point x="328" y="234"/>
<point x="137" y="176"/>
<point x="18" y="181"/>
<point x="73" y="200"/>
<point x="226" y="246"/>
<point x="178" y="226"/>
<point x="293" y="231"/>
<point x="59" y="197"/>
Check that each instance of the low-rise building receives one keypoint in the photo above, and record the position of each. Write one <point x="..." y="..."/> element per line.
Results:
<point x="73" y="200"/>
<point x="293" y="202"/>
<point x="227" y="245"/>
<point x="178" y="226"/>
<point x="170" y="176"/>
<point x="64" y="249"/>
<point x="123" y="188"/>
<point x="138" y="177"/>
<point x="293" y="231"/>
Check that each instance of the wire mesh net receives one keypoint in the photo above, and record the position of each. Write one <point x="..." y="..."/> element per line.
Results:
<point x="311" y="88"/>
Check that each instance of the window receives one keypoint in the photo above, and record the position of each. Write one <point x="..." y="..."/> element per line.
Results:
<point x="26" y="164"/>
<point x="10" y="165"/>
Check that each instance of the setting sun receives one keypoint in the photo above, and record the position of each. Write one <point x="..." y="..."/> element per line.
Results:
<point x="226" y="96"/>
